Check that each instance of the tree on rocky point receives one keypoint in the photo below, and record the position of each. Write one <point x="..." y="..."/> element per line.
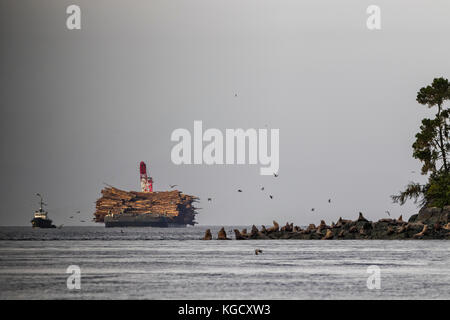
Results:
<point x="431" y="147"/>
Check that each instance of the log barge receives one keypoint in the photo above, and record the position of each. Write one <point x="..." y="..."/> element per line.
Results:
<point x="119" y="208"/>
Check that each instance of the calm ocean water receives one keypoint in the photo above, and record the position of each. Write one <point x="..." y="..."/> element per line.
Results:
<point x="152" y="263"/>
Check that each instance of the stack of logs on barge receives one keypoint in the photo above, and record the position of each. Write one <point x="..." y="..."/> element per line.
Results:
<point x="430" y="223"/>
<point x="173" y="206"/>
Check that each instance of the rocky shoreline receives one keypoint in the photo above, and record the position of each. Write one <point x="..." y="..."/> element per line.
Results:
<point x="429" y="223"/>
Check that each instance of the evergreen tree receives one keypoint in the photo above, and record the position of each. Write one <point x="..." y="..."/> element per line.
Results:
<point x="431" y="147"/>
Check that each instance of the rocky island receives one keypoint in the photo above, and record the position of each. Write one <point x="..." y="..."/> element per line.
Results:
<point x="429" y="223"/>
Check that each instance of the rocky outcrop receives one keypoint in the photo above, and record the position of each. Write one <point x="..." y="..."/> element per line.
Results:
<point x="431" y="223"/>
<point x="432" y="215"/>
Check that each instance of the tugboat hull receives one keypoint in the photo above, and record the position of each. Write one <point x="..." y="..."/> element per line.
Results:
<point x="42" y="223"/>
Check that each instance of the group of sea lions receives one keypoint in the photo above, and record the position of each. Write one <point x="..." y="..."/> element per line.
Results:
<point x="383" y="229"/>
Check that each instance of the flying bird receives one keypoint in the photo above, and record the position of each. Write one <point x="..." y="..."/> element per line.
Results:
<point x="239" y="190"/>
<point x="329" y="200"/>
<point x="173" y="186"/>
<point x="235" y="94"/>
<point x="271" y="196"/>
<point x="258" y="251"/>
<point x="82" y="221"/>
<point x="262" y="189"/>
<point x="71" y="217"/>
<point x="312" y="209"/>
<point x="209" y="199"/>
<point x="275" y="175"/>
<point x="389" y="214"/>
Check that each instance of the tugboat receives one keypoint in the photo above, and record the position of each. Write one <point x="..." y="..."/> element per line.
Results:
<point x="40" y="219"/>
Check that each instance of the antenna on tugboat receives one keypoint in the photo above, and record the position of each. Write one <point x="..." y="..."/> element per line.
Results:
<point x="42" y="200"/>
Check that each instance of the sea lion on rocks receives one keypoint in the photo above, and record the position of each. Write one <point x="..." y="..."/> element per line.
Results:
<point x="353" y="229"/>
<point x="437" y="226"/>
<point x="263" y="229"/>
<point x="338" y="223"/>
<point x="323" y="225"/>
<point x="328" y="235"/>
<point x="414" y="226"/>
<point x="254" y="230"/>
<point x="311" y="227"/>
<point x="275" y="227"/>
<point x="208" y="235"/>
<point x="341" y="222"/>
<point x="400" y="220"/>
<point x="341" y="234"/>
<point x="244" y="232"/>
<point x="222" y="235"/>
<point x="422" y="233"/>
<point x="238" y="235"/>
<point x="401" y="229"/>
<point x="388" y="220"/>
<point x="286" y="228"/>
<point x="447" y="226"/>
<point x="255" y="234"/>
<point x="390" y="231"/>
<point x="361" y="217"/>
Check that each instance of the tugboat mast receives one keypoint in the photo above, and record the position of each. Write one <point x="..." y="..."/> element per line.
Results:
<point x="41" y="202"/>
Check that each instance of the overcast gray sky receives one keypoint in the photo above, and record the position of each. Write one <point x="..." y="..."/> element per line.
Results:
<point x="83" y="107"/>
